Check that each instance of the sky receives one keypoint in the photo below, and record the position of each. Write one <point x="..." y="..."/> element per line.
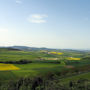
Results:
<point x="45" y="23"/>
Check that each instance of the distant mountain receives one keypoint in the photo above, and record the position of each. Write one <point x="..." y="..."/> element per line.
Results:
<point x="9" y="49"/>
<point x="21" y="47"/>
<point x="26" y="48"/>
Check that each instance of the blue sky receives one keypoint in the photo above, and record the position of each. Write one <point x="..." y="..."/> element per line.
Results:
<point x="45" y="23"/>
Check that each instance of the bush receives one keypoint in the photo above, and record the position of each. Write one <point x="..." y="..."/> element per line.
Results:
<point x="23" y="61"/>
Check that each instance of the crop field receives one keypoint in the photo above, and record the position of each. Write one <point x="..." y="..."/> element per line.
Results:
<point x="7" y="67"/>
<point x="42" y="63"/>
<point x="36" y="68"/>
<point x="76" y="77"/>
<point x="16" y="55"/>
<point x="26" y="70"/>
<point x="71" y="58"/>
<point x="58" y="53"/>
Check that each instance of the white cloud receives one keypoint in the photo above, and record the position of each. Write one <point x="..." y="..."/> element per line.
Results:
<point x="37" y="18"/>
<point x="18" y="1"/>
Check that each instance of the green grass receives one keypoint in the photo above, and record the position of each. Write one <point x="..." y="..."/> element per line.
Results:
<point x="17" y="55"/>
<point x="38" y="67"/>
<point x="34" y="68"/>
<point x="7" y="75"/>
<point x="76" y="77"/>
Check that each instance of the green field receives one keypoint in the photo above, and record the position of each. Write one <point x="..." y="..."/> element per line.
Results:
<point x="34" y="68"/>
<point x="76" y="77"/>
<point x="39" y="66"/>
<point x="29" y="70"/>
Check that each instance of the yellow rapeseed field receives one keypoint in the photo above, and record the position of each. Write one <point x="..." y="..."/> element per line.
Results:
<point x="71" y="58"/>
<point x="5" y="67"/>
<point x="58" y="53"/>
